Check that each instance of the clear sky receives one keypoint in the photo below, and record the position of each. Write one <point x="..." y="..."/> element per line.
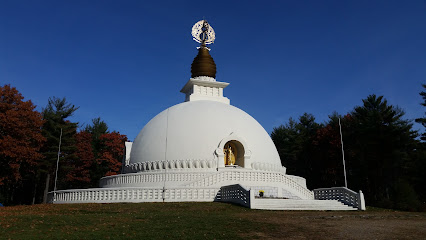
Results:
<point x="126" y="61"/>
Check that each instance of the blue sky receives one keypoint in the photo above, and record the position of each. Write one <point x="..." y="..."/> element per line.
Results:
<point x="126" y="61"/>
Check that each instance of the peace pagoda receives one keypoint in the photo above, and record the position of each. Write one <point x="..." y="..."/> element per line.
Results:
<point x="205" y="150"/>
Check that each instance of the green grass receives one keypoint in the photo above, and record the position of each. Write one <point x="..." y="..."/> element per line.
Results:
<point x="120" y="221"/>
<point x="192" y="221"/>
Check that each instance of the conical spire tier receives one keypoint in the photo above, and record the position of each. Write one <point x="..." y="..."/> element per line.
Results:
<point x="203" y="64"/>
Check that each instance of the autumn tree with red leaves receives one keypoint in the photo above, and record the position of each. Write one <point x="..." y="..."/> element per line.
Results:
<point x="112" y="152"/>
<point x="109" y="157"/>
<point x="90" y="164"/>
<point x="29" y="149"/>
<point x="99" y="154"/>
<point x="20" y="142"/>
<point x="328" y="148"/>
<point x="78" y="175"/>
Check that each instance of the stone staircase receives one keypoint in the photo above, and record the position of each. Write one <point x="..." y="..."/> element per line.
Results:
<point x="298" y="204"/>
<point x="248" y="178"/>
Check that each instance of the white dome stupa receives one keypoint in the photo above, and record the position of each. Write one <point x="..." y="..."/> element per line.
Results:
<point x="205" y="143"/>
<point x="203" y="149"/>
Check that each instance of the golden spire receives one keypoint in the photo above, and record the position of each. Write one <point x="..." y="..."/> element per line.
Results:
<point x="203" y="64"/>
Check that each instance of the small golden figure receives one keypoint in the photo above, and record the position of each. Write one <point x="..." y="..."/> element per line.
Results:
<point x="229" y="155"/>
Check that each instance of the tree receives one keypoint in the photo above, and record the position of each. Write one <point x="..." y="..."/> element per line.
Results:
<point x="422" y="120"/>
<point x="383" y="157"/>
<point x="96" y="154"/>
<point x="97" y="129"/>
<point x="79" y="176"/>
<point x="112" y="152"/>
<point x="284" y="138"/>
<point x="56" y="116"/>
<point x="104" y="148"/>
<point x="294" y="145"/>
<point x="328" y="148"/>
<point x="307" y="129"/>
<point x="20" y="142"/>
<point x="383" y="142"/>
<point x="110" y="156"/>
<point x="419" y="157"/>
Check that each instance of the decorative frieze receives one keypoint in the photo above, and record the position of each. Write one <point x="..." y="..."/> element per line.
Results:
<point x="193" y="164"/>
<point x="171" y="165"/>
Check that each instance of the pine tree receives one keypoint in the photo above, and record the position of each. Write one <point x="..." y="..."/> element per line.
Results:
<point x="97" y="129"/>
<point x="383" y="141"/>
<point x="422" y="120"/>
<point x="294" y="144"/>
<point x="284" y="138"/>
<point x="56" y="116"/>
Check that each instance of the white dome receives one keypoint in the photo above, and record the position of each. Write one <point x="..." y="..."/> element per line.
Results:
<point x="196" y="130"/>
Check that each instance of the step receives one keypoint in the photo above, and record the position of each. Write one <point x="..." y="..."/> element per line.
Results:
<point x="292" y="204"/>
<point x="307" y="208"/>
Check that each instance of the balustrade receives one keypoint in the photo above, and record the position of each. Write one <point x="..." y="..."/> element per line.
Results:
<point x="132" y="195"/>
<point x="341" y="194"/>
<point x="235" y="194"/>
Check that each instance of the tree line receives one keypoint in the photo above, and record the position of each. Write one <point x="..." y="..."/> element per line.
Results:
<point x="29" y="145"/>
<point x="384" y="156"/>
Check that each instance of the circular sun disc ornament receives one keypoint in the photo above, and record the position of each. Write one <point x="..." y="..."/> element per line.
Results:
<point x="202" y="32"/>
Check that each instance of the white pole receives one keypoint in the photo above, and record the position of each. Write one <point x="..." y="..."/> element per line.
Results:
<point x="57" y="165"/>
<point x="343" y="154"/>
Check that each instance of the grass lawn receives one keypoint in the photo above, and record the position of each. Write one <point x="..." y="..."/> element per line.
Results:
<point x="202" y="221"/>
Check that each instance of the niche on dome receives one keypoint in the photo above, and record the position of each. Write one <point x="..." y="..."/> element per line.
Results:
<point x="233" y="151"/>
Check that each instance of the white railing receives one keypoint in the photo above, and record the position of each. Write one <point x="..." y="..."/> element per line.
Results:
<point x="341" y="194"/>
<point x="109" y="195"/>
<point x="236" y="194"/>
<point x="144" y="177"/>
<point x="208" y="179"/>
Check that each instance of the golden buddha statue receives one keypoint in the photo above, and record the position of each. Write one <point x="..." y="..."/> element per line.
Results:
<point x="230" y="154"/>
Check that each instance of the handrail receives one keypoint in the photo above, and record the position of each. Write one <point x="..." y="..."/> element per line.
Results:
<point x="236" y="194"/>
<point x="341" y="194"/>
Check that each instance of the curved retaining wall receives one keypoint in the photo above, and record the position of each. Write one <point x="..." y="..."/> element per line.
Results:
<point x="295" y="186"/>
